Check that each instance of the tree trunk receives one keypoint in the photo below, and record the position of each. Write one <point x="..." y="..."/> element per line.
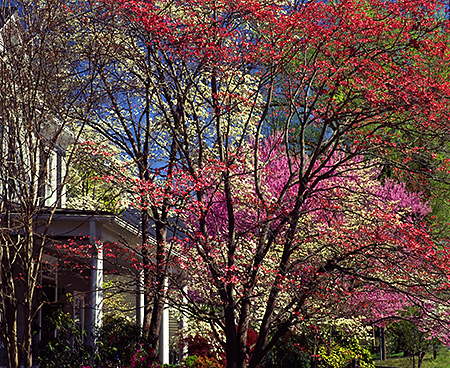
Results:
<point x="9" y="331"/>
<point x="155" y="322"/>
<point x="160" y="288"/>
<point x="154" y="307"/>
<point x="420" y="357"/>
<point x="147" y="275"/>
<point x="382" y="344"/>
<point x="231" y="346"/>
<point x="27" y="354"/>
<point x="12" y="345"/>
<point x="243" y="332"/>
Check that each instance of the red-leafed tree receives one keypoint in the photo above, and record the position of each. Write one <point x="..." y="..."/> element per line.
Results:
<point x="341" y="82"/>
<point x="360" y="250"/>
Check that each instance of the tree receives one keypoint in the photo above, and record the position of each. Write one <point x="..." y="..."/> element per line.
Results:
<point x="133" y="104"/>
<point x="353" y="80"/>
<point x="408" y="338"/>
<point x="358" y="252"/>
<point x="121" y="92"/>
<point x="37" y="94"/>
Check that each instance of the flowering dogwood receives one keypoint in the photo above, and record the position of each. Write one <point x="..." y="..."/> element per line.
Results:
<point x="280" y="229"/>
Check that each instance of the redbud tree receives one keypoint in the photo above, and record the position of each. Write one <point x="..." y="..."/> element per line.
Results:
<point x="280" y="229"/>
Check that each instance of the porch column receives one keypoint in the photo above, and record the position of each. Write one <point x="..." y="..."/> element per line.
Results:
<point x="96" y="285"/>
<point x="164" y="337"/>
<point x="140" y="299"/>
<point x="164" y="332"/>
<point x="183" y="325"/>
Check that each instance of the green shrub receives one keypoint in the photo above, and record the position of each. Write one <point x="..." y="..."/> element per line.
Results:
<point x="67" y="350"/>
<point x="190" y="360"/>
<point x="342" y="353"/>
<point x="118" y="340"/>
<point x="194" y="361"/>
<point x="290" y="352"/>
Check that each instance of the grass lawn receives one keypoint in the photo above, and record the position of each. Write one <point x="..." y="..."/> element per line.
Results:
<point x="442" y="361"/>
